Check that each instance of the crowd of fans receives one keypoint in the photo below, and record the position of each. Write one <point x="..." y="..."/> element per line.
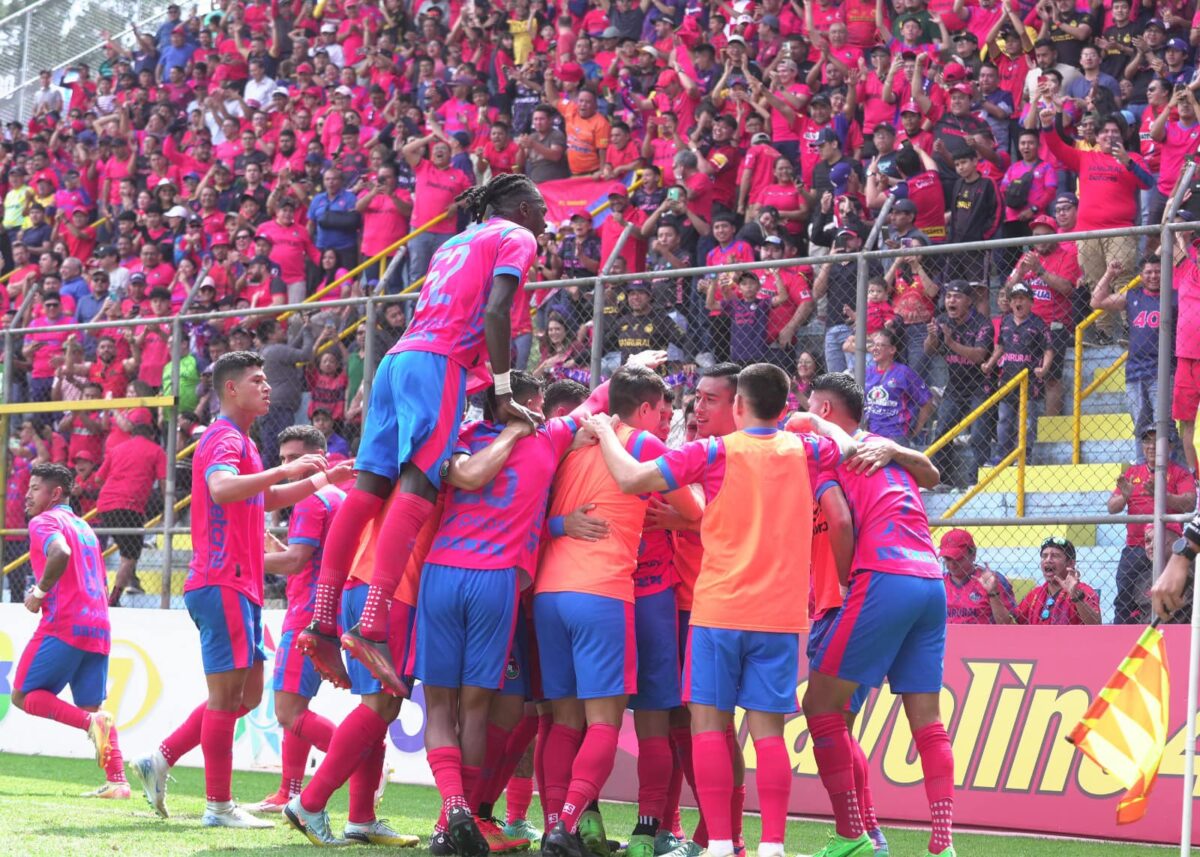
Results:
<point x="254" y="155"/>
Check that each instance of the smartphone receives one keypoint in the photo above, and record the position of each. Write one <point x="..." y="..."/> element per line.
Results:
<point x="675" y="194"/>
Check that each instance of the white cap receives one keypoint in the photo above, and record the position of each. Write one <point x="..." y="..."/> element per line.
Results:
<point x="279" y="90"/>
<point x="744" y="19"/>
<point x="345" y="90"/>
<point x="329" y="27"/>
<point x="177" y="211"/>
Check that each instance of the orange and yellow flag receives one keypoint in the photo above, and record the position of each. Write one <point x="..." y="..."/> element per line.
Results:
<point x="1125" y="729"/>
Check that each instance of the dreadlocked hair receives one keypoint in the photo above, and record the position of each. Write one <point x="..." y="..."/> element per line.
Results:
<point x="499" y="193"/>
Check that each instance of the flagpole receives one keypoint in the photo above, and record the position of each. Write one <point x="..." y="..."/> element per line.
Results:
<point x="1189" y="765"/>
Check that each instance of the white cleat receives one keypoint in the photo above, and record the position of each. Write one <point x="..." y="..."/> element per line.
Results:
<point x="229" y="814"/>
<point x="153" y="772"/>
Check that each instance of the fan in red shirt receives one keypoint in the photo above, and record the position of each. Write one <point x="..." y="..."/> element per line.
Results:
<point x="622" y="214"/>
<point x="500" y="153"/>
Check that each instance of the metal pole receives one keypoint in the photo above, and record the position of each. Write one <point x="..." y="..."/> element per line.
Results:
<point x="24" y="73"/>
<point x="1189" y="764"/>
<point x="369" y="352"/>
<point x="1162" y="404"/>
<point x="6" y="388"/>
<point x="860" y="303"/>
<point x="598" y="305"/>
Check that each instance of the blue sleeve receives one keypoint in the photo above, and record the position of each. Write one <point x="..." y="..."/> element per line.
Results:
<point x="557" y="526"/>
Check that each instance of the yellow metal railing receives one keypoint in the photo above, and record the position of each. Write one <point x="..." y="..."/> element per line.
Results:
<point x="1020" y="382"/>
<point x="1081" y="392"/>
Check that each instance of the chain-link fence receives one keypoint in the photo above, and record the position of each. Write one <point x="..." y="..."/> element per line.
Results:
<point x="55" y="35"/>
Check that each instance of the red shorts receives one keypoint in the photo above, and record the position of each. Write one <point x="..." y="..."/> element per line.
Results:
<point x="1185" y="397"/>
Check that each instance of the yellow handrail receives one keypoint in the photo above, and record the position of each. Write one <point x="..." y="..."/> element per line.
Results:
<point x="1020" y="381"/>
<point x="1080" y="392"/>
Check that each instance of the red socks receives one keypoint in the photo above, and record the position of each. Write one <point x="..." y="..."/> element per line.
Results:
<point x="354" y="740"/>
<point x="937" y="764"/>
<point x="363" y="783"/>
<point x="561" y="746"/>
<point x="654" y="769"/>
<point x="714" y="783"/>
<point x="545" y="724"/>
<point x="216" y="742"/>
<point x="447" y="767"/>
<point x="43" y="703"/>
<point x="670" y="819"/>
<point x="862" y="785"/>
<point x="593" y="764"/>
<point x="404" y="520"/>
<point x="357" y="511"/>
<point x="835" y="763"/>
<point x="313" y="729"/>
<point x="774" y="780"/>
<point x="489" y="786"/>
<point x="517" y="798"/>
<point x="293" y="761"/>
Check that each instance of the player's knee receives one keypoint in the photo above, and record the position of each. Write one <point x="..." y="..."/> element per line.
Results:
<point x="18" y="699"/>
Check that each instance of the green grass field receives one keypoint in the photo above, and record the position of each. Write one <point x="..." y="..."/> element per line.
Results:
<point x="42" y="816"/>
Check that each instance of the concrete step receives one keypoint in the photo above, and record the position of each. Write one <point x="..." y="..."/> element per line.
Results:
<point x="1093" y="426"/>
<point x="1091" y="451"/>
<point x="1004" y="504"/>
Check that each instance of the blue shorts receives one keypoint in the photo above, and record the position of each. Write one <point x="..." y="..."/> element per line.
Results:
<point x="465" y="622"/>
<point x="655" y="619"/>
<point x="683" y="625"/>
<point x="400" y="627"/>
<point x="50" y="664"/>
<point x="293" y="672"/>
<point x="417" y="401"/>
<point x="587" y="645"/>
<point x="517" y="679"/>
<point x="891" y="625"/>
<point x="230" y="624"/>
<point x="756" y="670"/>
<point x="817" y="635"/>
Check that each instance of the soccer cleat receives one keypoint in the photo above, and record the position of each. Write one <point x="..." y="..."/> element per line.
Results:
<point x="384" y="775"/>
<point x="559" y="843"/>
<point x="314" y="825"/>
<point x="271" y="803"/>
<point x="229" y="814"/>
<point x="664" y="843"/>
<point x="153" y="772"/>
<point x="110" y="791"/>
<point x="498" y="841"/>
<point x="640" y="845"/>
<point x="590" y="828"/>
<point x="522" y="829"/>
<point x="326" y="655"/>
<point x="378" y="833"/>
<point x="99" y="725"/>
<point x="464" y="833"/>
<point x="767" y="849"/>
<point x="880" y="842"/>
<point x="377" y="658"/>
<point x="840" y="846"/>
<point x="949" y="852"/>
<point x="440" y="844"/>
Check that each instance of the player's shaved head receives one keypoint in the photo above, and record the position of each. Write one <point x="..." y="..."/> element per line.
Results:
<point x="309" y="436"/>
<point x="563" y="396"/>
<point x="844" y="396"/>
<point x="764" y="388"/>
<point x="632" y="387"/>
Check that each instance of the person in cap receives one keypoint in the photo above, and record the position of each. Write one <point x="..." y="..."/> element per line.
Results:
<point x="622" y="214"/>
<point x="975" y="595"/>
<point x="1069" y="29"/>
<point x="1023" y="344"/>
<point x="586" y="130"/>
<point x="832" y="160"/>
<point x="900" y="230"/>
<point x="952" y="129"/>
<point x="1176" y="56"/>
<point x="642" y="326"/>
<point x="1051" y="271"/>
<point x="1066" y="211"/>
<point x="1134" y="495"/>
<point x="963" y="337"/>
<point x="912" y="130"/>
<point x="920" y="184"/>
<point x="1062" y="599"/>
<point x="966" y="52"/>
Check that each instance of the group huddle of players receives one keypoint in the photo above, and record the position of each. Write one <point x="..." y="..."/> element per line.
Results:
<point x="540" y="572"/>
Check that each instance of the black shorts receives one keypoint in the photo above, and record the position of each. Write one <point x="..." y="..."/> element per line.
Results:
<point x="1062" y="340"/>
<point x="129" y="546"/>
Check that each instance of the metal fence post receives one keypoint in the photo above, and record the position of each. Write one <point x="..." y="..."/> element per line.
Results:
<point x="7" y="397"/>
<point x="860" y="301"/>
<point x="168" y="515"/>
<point x="24" y="74"/>
<point x="369" y="351"/>
<point x="598" y="306"/>
<point x="1022" y="443"/>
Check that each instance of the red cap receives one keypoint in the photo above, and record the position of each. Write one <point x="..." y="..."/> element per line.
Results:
<point x="315" y="92"/>
<point x="1044" y="220"/>
<point x="582" y="212"/>
<point x="964" y="88"/>
<point x="220" y="238"/>
<point x="570" y="72"/>
<point x="304" y="68"/>
<point x="910" y="107"/>
<point x="666" y="77"/>
<point x="956" y="544"/>
<point x="953" y="71"/>
<point x="84" y="455"/>
<point x="140" y="416"/>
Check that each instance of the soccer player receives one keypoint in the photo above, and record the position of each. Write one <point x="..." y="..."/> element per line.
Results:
<point x="583" y="612"/>
<point x="71" y="643"/>
<point x="224" y="587"/>
<point x="744" y="646"/>
<point x="893" y="624"/>
<point x="462" y="316"/>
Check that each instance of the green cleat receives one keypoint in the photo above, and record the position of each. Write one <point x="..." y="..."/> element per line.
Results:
<point x="640" y="845"/>
<point x="522" y="829"/>
<point x="591" y="832"/>
<point x="664" y="843"/>
<point x="949" y="852"/>
<point x="840" y="846"/>
<point x="880" y="842"/>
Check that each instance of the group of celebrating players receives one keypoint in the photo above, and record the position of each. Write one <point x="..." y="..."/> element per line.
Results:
<point x="540" y="572"/>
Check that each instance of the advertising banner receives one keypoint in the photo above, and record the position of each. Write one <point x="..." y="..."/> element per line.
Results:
<point x="566" y="196"/>
<point x="1010" y="696"/>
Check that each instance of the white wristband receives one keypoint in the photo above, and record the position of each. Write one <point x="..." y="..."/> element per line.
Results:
<point x="503" y="383"/>
<point x="38" y="593"/>
<point x="319" y="481"/>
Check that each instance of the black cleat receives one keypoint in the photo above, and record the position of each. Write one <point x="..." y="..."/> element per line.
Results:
<point x="557" y="842"/>
<point x="441" y="846"/>
<point x="465" y="835"/>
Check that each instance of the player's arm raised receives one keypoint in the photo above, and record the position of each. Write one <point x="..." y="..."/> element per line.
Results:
<point x="497" y="326"/>
<point x="472" y="472"/>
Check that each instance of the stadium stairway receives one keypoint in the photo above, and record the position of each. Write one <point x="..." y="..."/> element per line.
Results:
<point x="1057" y="488"/>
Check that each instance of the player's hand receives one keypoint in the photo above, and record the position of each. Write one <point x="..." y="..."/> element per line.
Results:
<point x="580" y="525"/>
<point x="650" y="359"/>
<point x="662" y="516"/>
<point x="872" y="455"/>
<point x="507" y="410"/>
<point x="1166" y="595"/>
<point x="601" y="425"/>
<point x="32" y="603"/>
<point x="305" y="465"/>
<point x="274" y="545"/>
<point x="584" y="438"/>
<point x="517" y="428"/>
<point x="343" y="471"/>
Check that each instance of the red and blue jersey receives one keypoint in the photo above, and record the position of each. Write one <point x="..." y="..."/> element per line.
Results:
<point x="967" y="603"/>
<point x="449" y="314"/>
<point x="656" y="562"/>
<point x="309" y="525"/>
<point x="499" y="525"/>
<point x="76" y="607"/>
<point x="227" y="540"/>
<point x="891" y="529"/>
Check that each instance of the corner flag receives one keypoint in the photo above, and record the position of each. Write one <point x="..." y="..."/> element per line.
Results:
<point x="1125" y="729"/>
